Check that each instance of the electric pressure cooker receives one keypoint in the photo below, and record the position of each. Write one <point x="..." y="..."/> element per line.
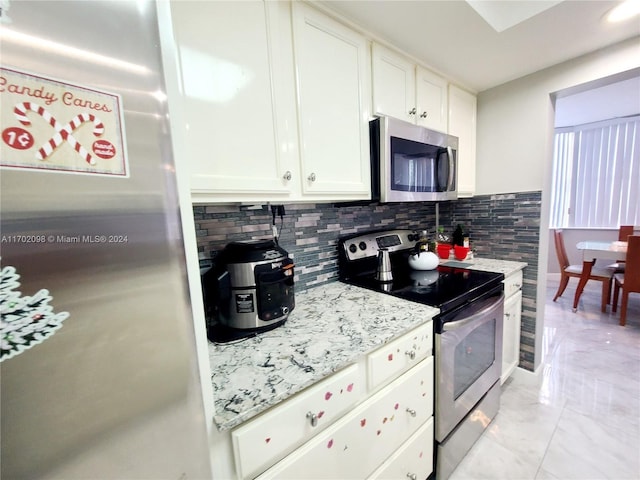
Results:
<point x="250" y="288"/>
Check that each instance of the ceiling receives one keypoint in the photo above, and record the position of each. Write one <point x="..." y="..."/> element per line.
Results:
<point x="454" y="39"/>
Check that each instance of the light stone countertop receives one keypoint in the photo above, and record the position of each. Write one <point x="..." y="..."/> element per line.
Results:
<point x="331" y="327"/>
<point x="488" y="265"/>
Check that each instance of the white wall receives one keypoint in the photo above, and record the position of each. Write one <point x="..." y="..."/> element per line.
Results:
<point x="515" y="135"/>
<point x="616" y="100"/>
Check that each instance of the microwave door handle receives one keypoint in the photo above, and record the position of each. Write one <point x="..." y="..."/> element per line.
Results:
<point x="452" y="171"/>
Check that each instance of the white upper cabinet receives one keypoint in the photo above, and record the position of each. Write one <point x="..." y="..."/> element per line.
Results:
<point x="254" y="123"/>
<point x="333" y="86"/>
<point x="462" y="124"/>
<point x="231" y="99"/>
<point x="431" y="100"/>
<point x="394" y="84"/>
<point x="407" y="91"/>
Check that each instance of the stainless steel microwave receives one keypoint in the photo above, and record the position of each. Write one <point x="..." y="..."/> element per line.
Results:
<point x="410" y="163"/>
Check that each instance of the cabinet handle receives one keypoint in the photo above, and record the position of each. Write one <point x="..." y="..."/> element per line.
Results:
<point x="518" y="285"/>
<point x="287" y="175"/>
<point x="507" y="314"/>
<point x="313" y="418"/>
<point x="412" y="476"/>
<point x="423" y="115"/>
<point x="411" y="354"/>
<point x="411" y="412"/>
<point x="312" y="177"/>
<point x="412" y="111"/>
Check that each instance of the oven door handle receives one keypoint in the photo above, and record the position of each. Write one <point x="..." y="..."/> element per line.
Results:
<point x="477" y="315"/>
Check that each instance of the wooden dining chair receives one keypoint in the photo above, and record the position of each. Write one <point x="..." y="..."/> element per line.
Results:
<point x="623" y="233"/>
<point x="604" y="275"/>
<point x="629" y="281"/>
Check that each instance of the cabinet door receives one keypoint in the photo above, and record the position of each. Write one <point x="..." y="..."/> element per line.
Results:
<point x="431" y="100"/>
<point x="361" y="441"/>
<point x="234" y="98"/>
<point x="413" y="460"/>
<point x="333" y="80"/>
<point x="394" y="84"/>
<point x="511" y="335"/>
<point x="462" y="124"/>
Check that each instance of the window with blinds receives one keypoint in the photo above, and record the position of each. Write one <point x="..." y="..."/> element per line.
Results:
<point x="596" y="175"/>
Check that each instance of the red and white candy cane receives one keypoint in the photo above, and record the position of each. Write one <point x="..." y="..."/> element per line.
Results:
<point x="63" y="133"/>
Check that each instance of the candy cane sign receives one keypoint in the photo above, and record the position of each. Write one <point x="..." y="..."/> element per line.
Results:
<point x="63" y="133"/>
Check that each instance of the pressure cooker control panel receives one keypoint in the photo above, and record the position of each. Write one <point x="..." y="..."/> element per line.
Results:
<point x="368" y="245"/>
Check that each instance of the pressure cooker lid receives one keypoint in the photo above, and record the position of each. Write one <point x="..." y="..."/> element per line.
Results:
<point x="244" y="251"/>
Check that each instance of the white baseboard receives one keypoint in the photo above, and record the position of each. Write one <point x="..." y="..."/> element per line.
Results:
<point x="527" y="376"/>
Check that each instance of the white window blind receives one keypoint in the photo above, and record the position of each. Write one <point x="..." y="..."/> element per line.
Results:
<point x="596" y="175"/>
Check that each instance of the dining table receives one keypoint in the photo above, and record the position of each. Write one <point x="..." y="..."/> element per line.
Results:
<point x="592" y="251"/>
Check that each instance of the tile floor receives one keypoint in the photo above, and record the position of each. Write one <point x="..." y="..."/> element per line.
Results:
<point x="581" y="418"/>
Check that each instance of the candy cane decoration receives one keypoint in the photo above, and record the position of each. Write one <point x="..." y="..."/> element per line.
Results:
<point x="63" y="133"/>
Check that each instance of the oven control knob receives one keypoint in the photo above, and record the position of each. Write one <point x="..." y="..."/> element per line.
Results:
<point x="353" y="248"/>
<point x="362" y="245"/>
<point x="410" y="237"/>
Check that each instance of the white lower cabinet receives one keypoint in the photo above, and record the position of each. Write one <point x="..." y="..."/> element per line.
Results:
<point x="511" y="327"/>
<point x="399" y="355"/>
<point x="414" y="460"/>
<point x="261" y="442"/>
<point x="357" y="444"/>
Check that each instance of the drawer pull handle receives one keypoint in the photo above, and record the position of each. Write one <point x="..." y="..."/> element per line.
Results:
<point x="312" y="177"/>
<point x="411" y="412"/>
<point x="413" y="111"/>
<point x="412" y="476"/>
<point x="313" y="418"/>
<point x="423" y="115"/>
<point x="287" y="175"/>
<point x="411" y="354"/>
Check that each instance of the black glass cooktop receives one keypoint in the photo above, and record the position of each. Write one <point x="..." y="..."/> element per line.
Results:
<point x="445" y="288"/>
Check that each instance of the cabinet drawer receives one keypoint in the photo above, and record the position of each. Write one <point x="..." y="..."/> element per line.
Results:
<point x="512" y="283"/>
<point x="358" y="443"/>
<point x="395" y="357"/>
<point x="412" y="460"/>
<point x="268" y="438"/>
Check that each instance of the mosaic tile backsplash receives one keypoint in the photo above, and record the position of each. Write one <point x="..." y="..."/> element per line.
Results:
<point x="504" y="226"/>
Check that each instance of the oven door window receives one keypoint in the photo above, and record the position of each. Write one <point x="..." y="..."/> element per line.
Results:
<point x="419" y="167"/>
<point x="473" y="356"/>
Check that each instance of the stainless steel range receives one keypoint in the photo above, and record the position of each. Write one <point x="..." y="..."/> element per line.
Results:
<point x="468" y="332"/>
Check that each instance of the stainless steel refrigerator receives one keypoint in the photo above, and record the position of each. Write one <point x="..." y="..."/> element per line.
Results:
<point x="99" y="376"/>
